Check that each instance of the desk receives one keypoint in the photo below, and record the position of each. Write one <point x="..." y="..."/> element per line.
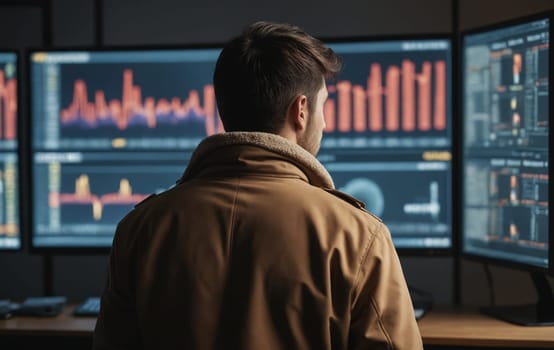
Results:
<point x="63" y="325"/>
<point x="442" y="327"/>
<point x="468" y="328"/>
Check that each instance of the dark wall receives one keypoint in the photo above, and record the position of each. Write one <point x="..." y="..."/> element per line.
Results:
<point x="169" y="21"/>
<point x="144" y="22"/>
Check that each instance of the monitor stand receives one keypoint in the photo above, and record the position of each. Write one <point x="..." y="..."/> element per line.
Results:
<point x="539" y="314"/>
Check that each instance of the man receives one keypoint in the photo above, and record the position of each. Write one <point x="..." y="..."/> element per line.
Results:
<point x="254" y="249"/>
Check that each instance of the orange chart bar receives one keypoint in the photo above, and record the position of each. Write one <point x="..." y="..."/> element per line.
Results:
<point x="83" y="195"/>
<point x="405" y="102"/>
<point x="121" y="113"/>
<point x="8" y="107"/>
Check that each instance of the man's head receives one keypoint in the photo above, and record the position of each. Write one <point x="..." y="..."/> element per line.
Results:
<point x="271" y="78"/>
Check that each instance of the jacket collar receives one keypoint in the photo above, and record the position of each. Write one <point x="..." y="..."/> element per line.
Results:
<point x="317" y="175"/>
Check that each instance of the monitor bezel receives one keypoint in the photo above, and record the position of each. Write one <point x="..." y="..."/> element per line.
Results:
<point x="425" y="251"/>
<point x="77" y="249"/>
<point x="18" y="151"/>
<point x="460" y="155"/>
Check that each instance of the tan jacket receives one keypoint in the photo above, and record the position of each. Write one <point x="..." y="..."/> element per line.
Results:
<point x="254" y="249"/>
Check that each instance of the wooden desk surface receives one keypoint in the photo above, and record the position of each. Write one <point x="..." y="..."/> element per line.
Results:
<point x="447" y="326"/>
<point x="442" y="326"/>
<point x="64" y="324"/>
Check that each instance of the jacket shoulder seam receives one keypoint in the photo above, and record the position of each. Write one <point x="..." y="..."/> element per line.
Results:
<point x="374" y="306"/>
<point x="232" y="221"/>
<point x="353" y="201"/>
<point x="363" y="258"/>
<point x="345" y="197"/>
<point x="380" y="321"/>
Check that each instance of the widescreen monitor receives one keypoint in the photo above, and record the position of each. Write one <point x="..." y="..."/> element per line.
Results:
<point x="506" y="102"/>
<point x="388" y="135"/>
<point x="110" y="127"/>
<point x="99" y="116"/>
<point x="10" y="238"/>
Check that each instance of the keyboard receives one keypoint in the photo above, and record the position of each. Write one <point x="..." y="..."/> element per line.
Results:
<point x="89" y="307"/>
<point x="40" y="306"/>
<point x="7" y="308"/>
<point x="422" y="301"/>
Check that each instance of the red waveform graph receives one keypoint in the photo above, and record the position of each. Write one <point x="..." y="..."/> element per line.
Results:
<point x="8" y="107"/>
<point x="83" y="195"/>
<point x="132" y="110"/>
<point x="408" y="104"/>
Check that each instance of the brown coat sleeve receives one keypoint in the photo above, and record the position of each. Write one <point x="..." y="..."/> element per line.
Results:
<point x="117" y="327"/>
<point x="382" y="314"/>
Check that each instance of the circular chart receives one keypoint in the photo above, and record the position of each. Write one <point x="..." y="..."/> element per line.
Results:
<point x="368" y="192"/>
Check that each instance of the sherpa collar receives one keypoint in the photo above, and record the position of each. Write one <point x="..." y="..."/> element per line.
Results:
<point x="314" y="170"/>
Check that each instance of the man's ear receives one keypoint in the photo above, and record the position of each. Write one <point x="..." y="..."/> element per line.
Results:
<point x="298" y="112"/>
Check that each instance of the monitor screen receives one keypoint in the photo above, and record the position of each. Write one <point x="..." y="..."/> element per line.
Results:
<point x="109" y="129"/>
<point x="9" y="207"/>
<point x="388" y="135"/>
<point x="506" y="115"/>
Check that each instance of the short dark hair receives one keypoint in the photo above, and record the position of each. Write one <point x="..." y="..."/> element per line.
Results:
<point x="259" y="73"/>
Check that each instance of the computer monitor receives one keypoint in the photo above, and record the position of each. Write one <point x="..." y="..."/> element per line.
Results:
<point x="388" y="135"/>
<point x="10" y="238"/>
<point x="507" y="112"/>
<point x="110" y="127"/>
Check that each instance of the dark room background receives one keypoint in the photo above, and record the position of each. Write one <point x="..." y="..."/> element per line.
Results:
<point x="174" y="22"/>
